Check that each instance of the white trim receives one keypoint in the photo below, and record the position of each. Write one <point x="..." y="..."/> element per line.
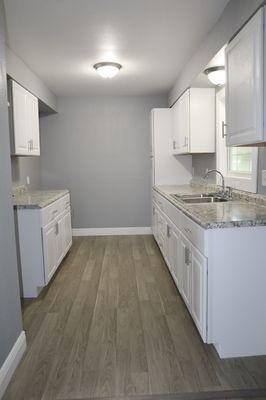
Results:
<point x="142" y="230"/>
<point x="11" y="362"/>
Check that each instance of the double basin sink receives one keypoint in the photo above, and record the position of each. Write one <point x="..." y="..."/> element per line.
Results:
<point x="200" y="198"/>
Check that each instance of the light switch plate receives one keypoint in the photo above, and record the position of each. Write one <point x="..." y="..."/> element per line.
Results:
<point x="263" y="177"/>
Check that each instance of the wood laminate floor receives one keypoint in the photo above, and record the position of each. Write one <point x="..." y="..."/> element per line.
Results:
<point x="112" y="324"/>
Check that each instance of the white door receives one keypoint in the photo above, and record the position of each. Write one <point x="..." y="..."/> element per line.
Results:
<point x="244" y="84"/>
<point x="185" y="256"/>
<point x="33" y="124"/>
<point x="199" y="291"/>
<point x="183" y="123"/>
<point x="50" y="250"/>
<point x="19" y="110"/>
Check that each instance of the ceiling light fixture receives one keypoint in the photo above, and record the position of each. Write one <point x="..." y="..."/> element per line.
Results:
<point x="107" y="69"/>
<point x="216" y="75"/>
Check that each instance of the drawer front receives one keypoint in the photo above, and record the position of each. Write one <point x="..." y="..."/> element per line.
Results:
<point x="193" y="232"/>
<point x="51" y="212"/>
<point x="159" y="200"/>
<point x="173" y="213"/>
<point x="64" y="202"/>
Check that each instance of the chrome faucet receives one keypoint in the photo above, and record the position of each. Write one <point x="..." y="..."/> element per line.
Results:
<point x="217" y="172"/>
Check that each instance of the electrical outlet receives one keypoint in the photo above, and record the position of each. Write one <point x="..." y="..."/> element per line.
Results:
<point x="263" y="177"/>
<point x="28" y="180"/>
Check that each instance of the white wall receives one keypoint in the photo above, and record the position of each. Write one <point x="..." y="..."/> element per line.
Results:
<point x="99" y="148"/>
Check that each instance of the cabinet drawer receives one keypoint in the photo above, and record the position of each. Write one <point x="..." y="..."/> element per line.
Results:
<point x="193" y="232"/>
<point x="51" y="212"/>
<point x="159" y="200"/>
<point x="64" y="202"/>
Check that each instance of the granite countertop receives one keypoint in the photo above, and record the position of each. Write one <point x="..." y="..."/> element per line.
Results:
<point x="36" y="198"/>
<point x="242" y="211"/>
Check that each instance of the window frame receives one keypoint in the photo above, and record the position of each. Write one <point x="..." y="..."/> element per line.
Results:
<point x="238" y="180"/>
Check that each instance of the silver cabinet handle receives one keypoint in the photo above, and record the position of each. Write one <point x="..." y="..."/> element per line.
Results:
<point x="56" y="228"/>
<point x="188" y="230"/>
<point x="187" y="256"/>
<point x="174" y="144"/>
<point x="168" y="231"/>
<point x="223" y="130"/>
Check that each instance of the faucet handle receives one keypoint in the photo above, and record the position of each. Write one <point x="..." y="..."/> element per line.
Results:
<point x="230" y="191"/>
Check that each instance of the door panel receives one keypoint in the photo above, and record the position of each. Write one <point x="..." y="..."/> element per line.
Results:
<point x="199" y="291"/>
<point x="49" y="251"/>
<point x="33" y="124"/>
<point x="185" y="265"/>
<point x="21" y="140"/>
<point x="244" y="88"/>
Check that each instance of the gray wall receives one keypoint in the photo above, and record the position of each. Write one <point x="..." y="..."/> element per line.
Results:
<point x="99" y="148"/>
<point x="19" y="71"/>
<point x="23" y="167"/>
<point x="10" y="312"/>
<point x="201" y="162"/>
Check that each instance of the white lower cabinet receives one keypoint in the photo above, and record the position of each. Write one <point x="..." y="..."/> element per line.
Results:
<point x="187" y="266"/>
<point x="220" y="274"/>
<point x="45" y="236"/>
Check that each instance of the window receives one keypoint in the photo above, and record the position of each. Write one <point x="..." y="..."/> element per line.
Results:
<point x="238" y="164"/>
<point x="240" y="160"/>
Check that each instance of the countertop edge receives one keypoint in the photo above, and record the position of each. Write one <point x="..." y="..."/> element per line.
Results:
<point x="42" y="204"/>
<point x="212" y="225"/>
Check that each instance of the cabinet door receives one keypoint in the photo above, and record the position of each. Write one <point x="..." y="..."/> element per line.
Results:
<point x="183" y="124"/>
<point x="186" y="267"/>
<point x="174" y="254"/>
<point x="60" y="239"/>
<point x="50" y="250"/>
<point x="67" y="229"/>
<point x="244" y="84"/>
<point x="19" y="112"/>
<point x="33" y="124"/>
<point x="175" y="149"/>
<point x="199" y="291"/>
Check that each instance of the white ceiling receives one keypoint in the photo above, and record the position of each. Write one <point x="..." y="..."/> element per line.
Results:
<point x="60" y="40"/>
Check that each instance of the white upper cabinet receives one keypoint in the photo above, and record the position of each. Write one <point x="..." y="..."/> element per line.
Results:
<point x="24" y="118"/>
<point x="244" y="84"/>
<point x="194" y="122"/>
<point x="166" y="169"/>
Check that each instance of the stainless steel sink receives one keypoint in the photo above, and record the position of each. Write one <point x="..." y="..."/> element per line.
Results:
<point x="211" y="199"/>
<point x="199" y="198"/>
<point x="188" y="196"/>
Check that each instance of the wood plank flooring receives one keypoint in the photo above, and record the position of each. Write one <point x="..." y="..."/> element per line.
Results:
<point x="112" y="324"/>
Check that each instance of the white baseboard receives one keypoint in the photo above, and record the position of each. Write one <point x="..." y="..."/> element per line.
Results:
<point x="142" y="230"/>
<point x="11" y="362"/>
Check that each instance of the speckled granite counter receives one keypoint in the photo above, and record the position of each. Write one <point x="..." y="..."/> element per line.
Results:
<point x="37" y="199"/>
<point x="241" y="211"/>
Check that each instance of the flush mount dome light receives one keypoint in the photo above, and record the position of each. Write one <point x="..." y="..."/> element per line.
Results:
<point x="107" y="69"/>
<point x="216" y="75"/>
